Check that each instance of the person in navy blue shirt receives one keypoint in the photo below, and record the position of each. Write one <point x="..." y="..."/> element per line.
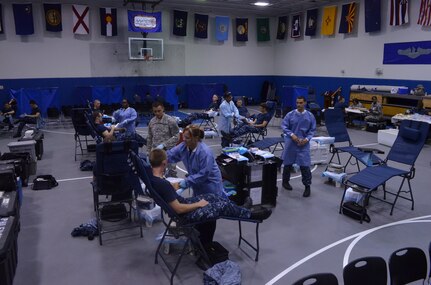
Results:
<point x="242" y="110"/>
<point x="28" y="119"/>
<point x="107" y="133"/>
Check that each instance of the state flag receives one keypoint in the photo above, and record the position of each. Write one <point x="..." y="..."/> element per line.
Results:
<point x="296" y="26"/>
<point x="1" y="21"/>
<point x="23" y="16"/>
<point x="53" y="21"/>
<point x="108" y="22"/>
<point x="180" y="23"/>
<point x="143" y="22"/>
<point x="222" y="28"/>
<point x="347" y="21"/>
<point x="201" y="26"/>
<point x="241" y="29"/>
<point x="311" y="23"/>
<point x="282" y="28"/>
<point x="262" y="29"/>
<point x="399" y="12"/>
<point x="425" y="13"/>
<point x="81" y="19"/>
<point x="328" y="20"/>
<point x="372" y="15"/>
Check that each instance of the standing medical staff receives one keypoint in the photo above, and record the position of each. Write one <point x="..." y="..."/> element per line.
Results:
<point x="228" y="112"/>
<point x="298" y="126"/>
<point x="204" y="175"/>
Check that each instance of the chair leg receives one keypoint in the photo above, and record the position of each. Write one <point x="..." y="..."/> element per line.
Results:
<point x="411" y="194"/>
<point x="398" y="194"/>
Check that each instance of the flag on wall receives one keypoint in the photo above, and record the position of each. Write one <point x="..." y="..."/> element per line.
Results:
<point x="311" y="24"/>
<point x="282" y="28"/>
<point x="80" y="18"/>
<point x="143" y="22"/>
<point x="241" y="29"/>
<point x="108" y="22"/>
<point x="222" y="28"/>
<point x="372" y="16"/>
<point x="407" y="53"/>
<point x="399" y="12"/>
<point x="347" y="21"/>
<point x="1" y="21"/>
<point x="23" y="16"/>
<point x="328" y="20"/>
<point x="53" y="20"/>
<point x="296" y="26"/>
<point x="262" y="27"/>
<point x="180" y="23"/>
<point x="201" y="26"/>
<point x="425" y="13"/>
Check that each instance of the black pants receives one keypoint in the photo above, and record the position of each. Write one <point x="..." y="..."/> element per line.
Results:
<point x="23" y="121"/>
<point x="206" y="231"/>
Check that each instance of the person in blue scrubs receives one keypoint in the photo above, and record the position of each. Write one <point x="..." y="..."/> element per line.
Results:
<point x="298" y="126"/>
<point x="204" y="175"/>
<point x="126" y="118"/>
<point x="228" y="112"/>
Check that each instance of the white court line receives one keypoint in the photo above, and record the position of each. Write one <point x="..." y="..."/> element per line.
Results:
<point x="57" y="132"/>
<point x="305" y="259"/>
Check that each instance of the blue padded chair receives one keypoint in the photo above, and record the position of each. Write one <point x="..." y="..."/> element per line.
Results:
<point x="407" y="265"/>
<point x="112" y="178"/>
<point x="176" y="227"/>
<point x="318" y="279"/>
<point x="405" y="150"/>
<point x="334" y="122"/>
<point x="370" y="270"/>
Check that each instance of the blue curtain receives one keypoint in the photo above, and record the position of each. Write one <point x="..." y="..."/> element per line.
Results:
<point x="199" y="96"/>
<point x="290" y="93"/>
<point x="44" y="97"/>
<point x="106" y="94"/>
<point x="167" y="91"/>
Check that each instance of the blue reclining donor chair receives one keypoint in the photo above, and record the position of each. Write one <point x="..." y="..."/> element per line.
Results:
<point x="334" y="121"/>
<point x="176" y="227"/>
<point x="405" y="150"/>
<point x="251" y="137"/>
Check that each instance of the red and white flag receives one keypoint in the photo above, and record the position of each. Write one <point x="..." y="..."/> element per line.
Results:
<point x="81" y="19"/>
<point x="399" y="12"/>
<point x="425" y="13"/>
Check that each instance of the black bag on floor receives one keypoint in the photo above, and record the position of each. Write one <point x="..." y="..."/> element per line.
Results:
<point x="44" y="182"/>
<point x="354" y="211"/>
<point x="114" y="213"/>
<point x="216" y="252"/>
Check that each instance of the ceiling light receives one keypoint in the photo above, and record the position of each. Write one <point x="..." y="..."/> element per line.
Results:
<point x="261" y="4"/>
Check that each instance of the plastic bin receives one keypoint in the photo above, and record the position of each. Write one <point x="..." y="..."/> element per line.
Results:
<point x="8" y="250"/>
<point x="38" y="137"/>
<point x="24" y="146"/>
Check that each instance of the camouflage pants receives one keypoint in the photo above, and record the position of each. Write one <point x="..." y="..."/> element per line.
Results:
<point x="217" y="206"/>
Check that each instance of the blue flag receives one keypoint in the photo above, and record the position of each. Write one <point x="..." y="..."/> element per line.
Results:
<point x="407" y="53"/>
<point x="222" y="28"/>
<point x="1" y="21"/>
<point x="143" y="22"/>
<point x="180" y="23"/>
<point x="53" y="17"/>
<point x="23" y="15"/>
<point x="241" y="29"/>
<point x="372" y="16"/>
<point x="201" y="26"/>
<point x="311" y="22"/>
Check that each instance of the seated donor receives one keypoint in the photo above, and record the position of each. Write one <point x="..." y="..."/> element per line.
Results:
<point x="199" y="208"/>
<point x="107" y="133"/>
<point x="8" y="113"/>
<point x="356" y="104"/>
<point x="419" y="109"/>
<point x="209" y="112"/>
<point x="254" y="126"/>
<point x="28" y="119"/>
<point x="242" y="110"/>
<point x="375" y="111"/>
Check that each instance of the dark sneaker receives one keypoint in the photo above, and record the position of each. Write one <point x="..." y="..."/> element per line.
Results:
<point x="202" y="264"/>
<point x="287" y="186"/>
<point x="306" y="192"/>
<point x="260" y="213"/>
<point x="248" y="203"/>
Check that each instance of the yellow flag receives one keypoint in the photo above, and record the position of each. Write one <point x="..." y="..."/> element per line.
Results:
<point x="328" y="20"/>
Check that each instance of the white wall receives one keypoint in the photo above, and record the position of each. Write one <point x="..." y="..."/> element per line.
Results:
<point x="54" y="55"/>
<point x="358" y="54"/>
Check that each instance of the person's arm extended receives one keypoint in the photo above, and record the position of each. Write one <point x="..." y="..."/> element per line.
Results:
<point x="263" y="125"/>
<point x="34" y="116"/>
<point x="180" y="208"/>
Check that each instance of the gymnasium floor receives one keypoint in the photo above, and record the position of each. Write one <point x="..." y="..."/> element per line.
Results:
<point x="303" y="235"/>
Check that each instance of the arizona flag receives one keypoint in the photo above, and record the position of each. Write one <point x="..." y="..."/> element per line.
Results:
<point x="424" y="13"/>
<point x="23" y="15"/>
<point x="399" y="12"/>
<point x="108" y="22"/>
<point x="347" y="18"/>
<point x="80" y="18"/>
<point x="1" y="22"/>
<point x="328" y="20"/>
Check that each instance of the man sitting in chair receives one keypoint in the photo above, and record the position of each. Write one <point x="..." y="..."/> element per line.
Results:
<point x="28" y="119"/>
<point x="376" y="112"/>
<point x="107" y="133"/>
<point x="8" y="112"/>
<point x="209" y="112"/>
<point x="202" y="207"/>
<point x="254" y="126"/>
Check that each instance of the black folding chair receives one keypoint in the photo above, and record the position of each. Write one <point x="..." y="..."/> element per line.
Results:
<point x="407" y="265"/>
<point x="370" y="270"/>
<point x="81" y="130"/>
<point x="318" y="279"/>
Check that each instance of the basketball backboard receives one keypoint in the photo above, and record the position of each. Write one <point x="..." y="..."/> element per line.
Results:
<point x="145" y="49"/>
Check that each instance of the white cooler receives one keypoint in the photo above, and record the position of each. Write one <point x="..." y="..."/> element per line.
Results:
<point x="387" y="137"/>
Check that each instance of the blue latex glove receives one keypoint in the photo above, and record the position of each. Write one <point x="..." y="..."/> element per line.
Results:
<point x="160" y="146"/>
<point x="183" y="184"/>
